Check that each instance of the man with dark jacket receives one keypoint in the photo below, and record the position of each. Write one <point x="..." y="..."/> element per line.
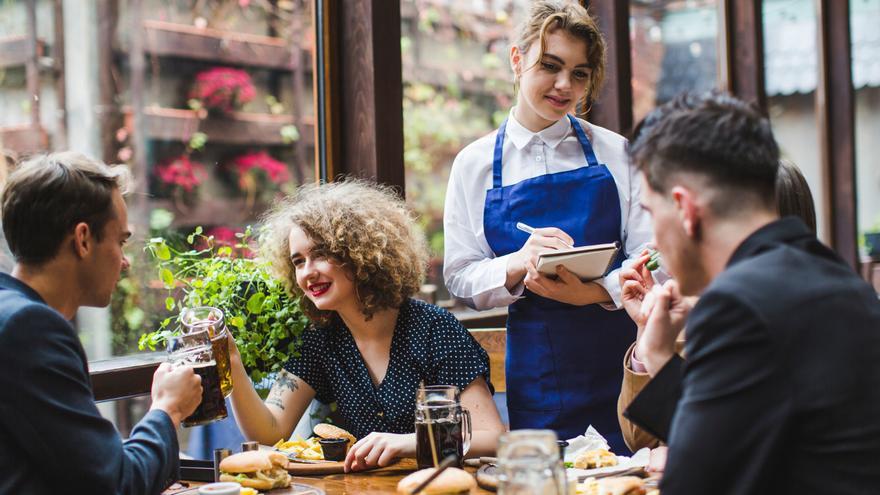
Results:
<point x="66" y="224"/>
<point x="780" y="391"/>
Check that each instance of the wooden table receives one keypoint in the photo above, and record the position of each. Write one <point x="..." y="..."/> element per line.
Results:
<point x="371" y="482"/>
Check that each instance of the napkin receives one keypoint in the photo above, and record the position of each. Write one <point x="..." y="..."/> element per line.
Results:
<point x="592" y="439"/>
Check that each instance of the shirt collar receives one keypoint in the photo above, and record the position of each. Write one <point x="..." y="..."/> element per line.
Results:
<point x="551" y="136"/>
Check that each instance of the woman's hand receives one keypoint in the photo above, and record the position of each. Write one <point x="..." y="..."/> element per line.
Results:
<point x="567" y="288"/>
<point x="657" y="460"/>
<point x="379" y="449"/>
<point x="544" y="239"/>
<point x="636" y="282"/>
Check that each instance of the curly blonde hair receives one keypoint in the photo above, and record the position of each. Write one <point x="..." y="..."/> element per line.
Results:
<point x="546" y="16"/>
<point x="364" y="226"/>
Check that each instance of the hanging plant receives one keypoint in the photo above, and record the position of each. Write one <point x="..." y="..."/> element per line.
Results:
<point x="222" y="89"/>
<point x="180" y="178"/>
<point x="258" y="173"/>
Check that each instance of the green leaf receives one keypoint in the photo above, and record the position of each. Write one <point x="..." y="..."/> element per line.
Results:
<point x="162" y="252"/>
<point x="134" y="317"/>
<point x="224" y="251"/>
<point x="255" y="303"/>
<point x="169" y="303"/>
<point x="237" y="322"/>
<point x="167" y="277"/>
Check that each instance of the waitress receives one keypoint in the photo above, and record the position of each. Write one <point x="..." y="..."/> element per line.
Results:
<point x="574" y="183"/>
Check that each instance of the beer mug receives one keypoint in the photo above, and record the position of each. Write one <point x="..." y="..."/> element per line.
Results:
<point x="194" y="349"/>
<point x="529" y="464"/>
<point x="206" y="318"/>
<point x="441" y="423"/>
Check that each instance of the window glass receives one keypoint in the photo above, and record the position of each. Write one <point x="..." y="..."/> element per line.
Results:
<point x="674" y="49"/>
<point x="864" y="19"/>
<point x="458" y="86"/>
<point x="791" y="71"/>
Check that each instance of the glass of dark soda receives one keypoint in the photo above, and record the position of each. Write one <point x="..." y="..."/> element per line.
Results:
<point x="443" y="426"/>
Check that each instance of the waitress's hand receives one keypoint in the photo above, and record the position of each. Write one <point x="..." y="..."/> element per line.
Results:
<point x="567" y="288"/>
<point x="543" y="239"/>
<point x="636" y="282"/>
<point x="379" y="449"/>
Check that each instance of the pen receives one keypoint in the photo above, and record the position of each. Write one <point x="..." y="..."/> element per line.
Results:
<point x="525" y="228"/>
<point x="530" y="230"/>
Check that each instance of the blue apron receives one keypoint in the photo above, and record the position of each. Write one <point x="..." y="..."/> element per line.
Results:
<point x="564" y="362"/>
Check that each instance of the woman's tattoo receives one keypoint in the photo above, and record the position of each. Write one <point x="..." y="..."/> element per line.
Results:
<point x="285" y="381"/>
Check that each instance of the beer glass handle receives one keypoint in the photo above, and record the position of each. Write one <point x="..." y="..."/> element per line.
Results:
<point x="466" y="431"/>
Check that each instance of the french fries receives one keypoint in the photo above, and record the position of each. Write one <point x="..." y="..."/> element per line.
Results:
<point x="304" y="449"/>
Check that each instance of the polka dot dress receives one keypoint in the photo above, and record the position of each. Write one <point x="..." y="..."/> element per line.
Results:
<point x="428" y="345"/>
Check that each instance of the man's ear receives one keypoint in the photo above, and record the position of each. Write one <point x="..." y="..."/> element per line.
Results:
<point x="82" y="239"/>
<point x="689" y="212"/>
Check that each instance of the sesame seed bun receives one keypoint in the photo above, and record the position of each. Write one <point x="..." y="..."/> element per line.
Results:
<point x="452" y="481"/>
<point x="325" y="430"/>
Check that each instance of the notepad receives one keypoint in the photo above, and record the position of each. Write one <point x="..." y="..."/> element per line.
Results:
<point x="587" y="262"/>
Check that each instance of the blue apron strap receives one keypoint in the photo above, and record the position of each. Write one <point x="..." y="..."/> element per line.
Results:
<point x="496" y="157"/>
<point x="585" y="143"/>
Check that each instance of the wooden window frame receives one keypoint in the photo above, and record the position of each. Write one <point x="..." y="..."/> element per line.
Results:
<point x="359" y="129"/>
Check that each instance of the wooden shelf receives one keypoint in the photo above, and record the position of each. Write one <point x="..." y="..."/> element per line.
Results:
<point x="182" y="40"/>
<point x="211" y="211"/>
<point x="258" y="129"/>
<point x="440" y="77"/>
<point x="16" y="51"/>
<point x="24" y="139"/>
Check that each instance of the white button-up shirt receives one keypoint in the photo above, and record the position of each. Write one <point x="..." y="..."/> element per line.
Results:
<point x="471" y="269"/>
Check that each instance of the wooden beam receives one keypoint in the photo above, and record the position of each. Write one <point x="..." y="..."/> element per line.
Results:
<point x="835" y="107"/>
<point x="32" y="65"/>
<point x="109" y="115"/>
<point x="327" y="93"/>
<point x="370" y="110"/>
<point x="60" y="138"/>
<point x="139" y="212"/>
<point x="741" y="64"/>
<point x="613" y="108"/>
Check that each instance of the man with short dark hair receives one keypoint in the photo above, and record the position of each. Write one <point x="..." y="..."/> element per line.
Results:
<point x="65" y="221"/>
<point x="780" y="391"/>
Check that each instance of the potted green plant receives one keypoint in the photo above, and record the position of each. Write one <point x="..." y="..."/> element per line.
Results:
<point x="264" y="319"/>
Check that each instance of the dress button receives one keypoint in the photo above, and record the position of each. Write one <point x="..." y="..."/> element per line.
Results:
<point x="539" y="158"/>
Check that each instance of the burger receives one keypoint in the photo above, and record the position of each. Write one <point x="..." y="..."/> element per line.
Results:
<point x="325" y="430"/>
<point x="622" y="485"/>
<point x="452" y="481"/>
<point x="260" y="469"/>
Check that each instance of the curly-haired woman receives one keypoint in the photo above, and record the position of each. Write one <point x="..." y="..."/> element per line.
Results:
<point x="351" y="250"/>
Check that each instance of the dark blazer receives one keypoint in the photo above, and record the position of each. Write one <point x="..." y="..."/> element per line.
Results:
<point x="780" y="392"/>
<point x="52" y="437"/>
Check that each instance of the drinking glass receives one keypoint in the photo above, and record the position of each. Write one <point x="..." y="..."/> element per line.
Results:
<point x="212" y="320"/>
<point x="194" y="349"/>
<point x="529" y="464"/>
<point x="443" y="426"/>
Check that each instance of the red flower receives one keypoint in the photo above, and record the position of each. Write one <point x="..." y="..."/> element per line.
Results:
<point x="251" y="163"/>
<point x="223" y="88"/>
<point x="181" y="172"/>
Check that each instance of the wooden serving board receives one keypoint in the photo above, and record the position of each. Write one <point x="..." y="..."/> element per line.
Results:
<point x="322" y="468"/>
